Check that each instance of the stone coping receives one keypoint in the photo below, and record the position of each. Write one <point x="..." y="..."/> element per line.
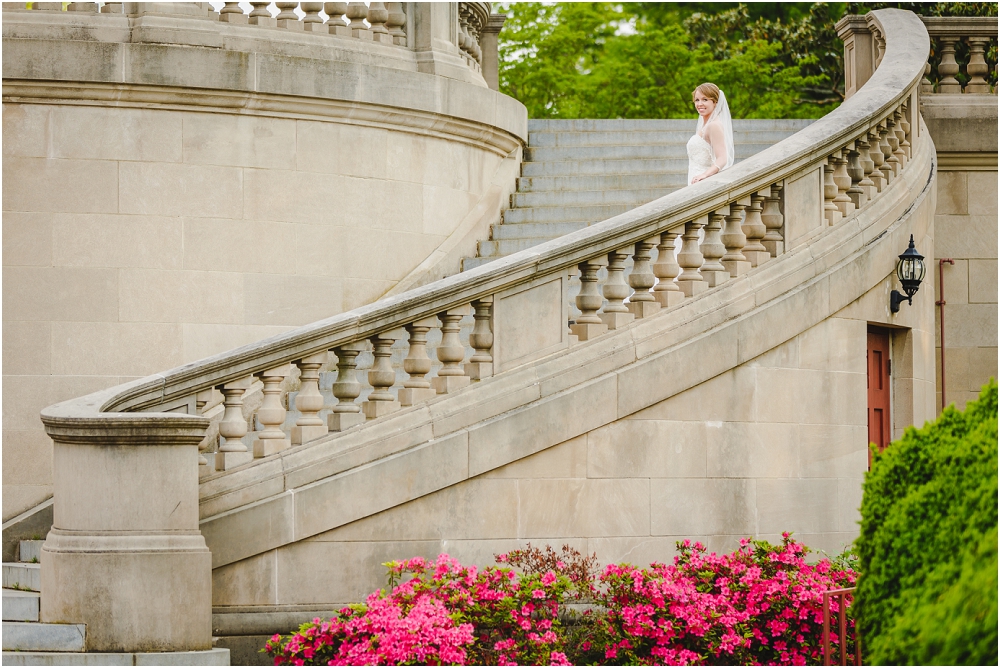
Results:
<point x="897" y="78"/>
<point x="322" y="485"/>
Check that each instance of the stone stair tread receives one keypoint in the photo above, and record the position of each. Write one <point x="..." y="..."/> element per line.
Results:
<point x="22" y="576"/>
<point x="214" y="657"/>
<point x="534" y="230"/>
<point x="584" y="197"/>
<point x="39" y="637"/>
<point x="620" y="151"/>
<point x="20" y="606"/>
<point x="554" y="214"/>
<point x="647" y="124"/>
<point x="30" y="551"/>
<point x="624" y="181"/>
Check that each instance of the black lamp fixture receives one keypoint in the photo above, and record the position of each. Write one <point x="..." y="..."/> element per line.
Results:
<point x="910" y="271"/>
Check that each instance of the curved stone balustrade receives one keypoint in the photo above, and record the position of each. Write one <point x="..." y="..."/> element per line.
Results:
<point x="436" y="39"/>
<point x="753" y="234"/>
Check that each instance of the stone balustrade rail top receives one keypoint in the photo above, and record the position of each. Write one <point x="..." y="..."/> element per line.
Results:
<point x="894" y="81"/>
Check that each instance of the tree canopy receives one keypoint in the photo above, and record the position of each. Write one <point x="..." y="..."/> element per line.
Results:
<point x="642" y="60"/>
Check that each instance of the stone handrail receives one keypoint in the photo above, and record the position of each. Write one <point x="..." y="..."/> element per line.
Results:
<point x="781" y="199"/>
<point x="453" y="32"/>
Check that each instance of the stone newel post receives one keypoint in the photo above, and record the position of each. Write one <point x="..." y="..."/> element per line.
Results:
<point x="859" y="52"/>
<point x="125" y="556"/>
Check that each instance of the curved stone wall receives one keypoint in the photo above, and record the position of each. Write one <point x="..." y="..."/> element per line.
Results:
<point x="166" y="202"/>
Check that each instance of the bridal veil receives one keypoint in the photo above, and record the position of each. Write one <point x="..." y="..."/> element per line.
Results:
<point x="725" y="119"/>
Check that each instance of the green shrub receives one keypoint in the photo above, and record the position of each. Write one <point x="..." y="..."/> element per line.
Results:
<point x="928" y="545"/>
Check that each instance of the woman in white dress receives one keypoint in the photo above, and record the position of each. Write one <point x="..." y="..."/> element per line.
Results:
<point x="711" y="149"/>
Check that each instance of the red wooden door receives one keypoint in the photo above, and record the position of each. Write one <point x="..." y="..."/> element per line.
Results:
<point x="879" y="424"/>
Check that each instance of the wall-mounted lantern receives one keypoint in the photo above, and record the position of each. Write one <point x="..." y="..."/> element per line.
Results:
<point x="910" y="271"/>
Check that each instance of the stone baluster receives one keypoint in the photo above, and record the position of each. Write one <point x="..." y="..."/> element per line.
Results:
<point x="879" y="46"/>
<point x="883" y="144"/>
<point x="377" y="17"/>
<point x="233" y="14"/>
<point x="615" y="314"/>
<point x="309" y="402"/>
<point x="233" y="427"/>
<point x="382" y="376"/>
<point x="336" y="23"/>
<point x="417" y="388"/>
<point x="588" y="324"/>
<point x="857" y="192"/>
<point x="690" y="259"/>
<point x="642" y="304"/>
<point x="357" y="12"/>
<point x="287" y="18"/>
<point x="396" y="23"/>
<point x="893" y="157"/>
<point x="904" y="123"/>
<point x="925" y="84"/>
<point x="260" y="16"/>
<point x="878" y="158"/>
<point x="830" y="210"/>
<point x="843" y="182"/>
<point x="346" y="388"/>
<point x="733" y="238"/>
<point x="203" y="399"/>
<point x="712" y="249"/>
<point x="948" y="67"/>
<point x="666" y="269"/>
<point x="271" y="413"/>
<point x="451" y="376"/>
<point x="754" y="229"/>
<point x="480" y="365"/>
<point x="977" y="68"/>
<point x="773" y="221"/>
<point x="867" y="167"/>
<point x="464" y="39"/>
<point x="901" y="151"/>
<point x="312" y="21"/>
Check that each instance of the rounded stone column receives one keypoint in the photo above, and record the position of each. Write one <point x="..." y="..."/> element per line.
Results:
<point x="125" y="555"/>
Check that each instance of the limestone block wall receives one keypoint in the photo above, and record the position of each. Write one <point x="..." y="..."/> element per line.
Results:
<point x="776" y="444"/>
<point x="966" y="221"/>
<point x="166" y="201"/>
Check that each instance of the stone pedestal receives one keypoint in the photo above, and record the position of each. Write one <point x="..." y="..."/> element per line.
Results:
<point x="448" y="384"/>
<point x="125" y="555"/>
<point x="343" y="421"/>
<point x="230" y="460"/>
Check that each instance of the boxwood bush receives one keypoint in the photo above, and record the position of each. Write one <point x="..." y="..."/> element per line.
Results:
<point x="927" y="552"/>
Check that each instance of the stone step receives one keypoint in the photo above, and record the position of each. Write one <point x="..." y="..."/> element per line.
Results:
<point x="558" y="214"/>
<point x="657" y="125"/>
<point x="602" y="167"/>
<point x="626" y="151"/>
<point x="527" y="184"/>
<point x="587" y="197"/>
<point x="26" y="577"/>
<point x="212" y="657"/>
<point x="20" y="606"/>
<point x="677" y="137"/>
<point x="30" y="551"/>
<point x="534" y="230"/>
<point x="35" y="637"/>
<point x="504" y="247"/>
<point x="473" y="262"/>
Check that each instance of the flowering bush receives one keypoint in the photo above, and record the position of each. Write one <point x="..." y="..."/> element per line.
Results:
<point x="759" y="605"/>
<point x="445" y="613"/>
<point x="762" y="604"/>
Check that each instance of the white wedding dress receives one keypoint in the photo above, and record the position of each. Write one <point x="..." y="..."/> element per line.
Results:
<point x="701" y="157"/>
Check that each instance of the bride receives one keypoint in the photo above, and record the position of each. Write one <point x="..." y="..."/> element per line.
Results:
<point x="710" y="150"/>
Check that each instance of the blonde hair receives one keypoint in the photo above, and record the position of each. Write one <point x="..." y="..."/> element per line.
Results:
<point x="709" y="90"/>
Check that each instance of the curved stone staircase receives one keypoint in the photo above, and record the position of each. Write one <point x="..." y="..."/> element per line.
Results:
<point x="579" y="172"/>
<point x="291" y="531"/>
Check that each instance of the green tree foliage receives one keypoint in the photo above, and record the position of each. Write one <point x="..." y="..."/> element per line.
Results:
<point x="643" y="59"/>
<point x="928" y="545"/>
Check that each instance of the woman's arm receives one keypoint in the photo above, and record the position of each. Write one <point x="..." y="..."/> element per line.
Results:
<point x="713" y="133"/>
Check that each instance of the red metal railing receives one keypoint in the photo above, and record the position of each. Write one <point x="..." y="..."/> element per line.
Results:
<point x="841" y="597"/>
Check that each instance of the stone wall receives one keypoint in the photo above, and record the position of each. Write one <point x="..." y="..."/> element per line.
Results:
<point x="147" y="225"/>
<point x="964" y="128"/>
